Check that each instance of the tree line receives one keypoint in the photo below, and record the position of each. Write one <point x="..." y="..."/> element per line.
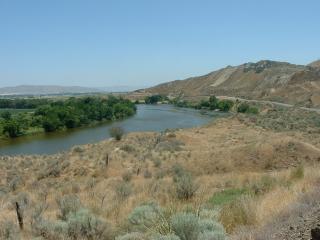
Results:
<point x="66" y="114"/>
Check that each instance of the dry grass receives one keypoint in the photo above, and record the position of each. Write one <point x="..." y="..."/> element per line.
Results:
<point x="110" y="179"/>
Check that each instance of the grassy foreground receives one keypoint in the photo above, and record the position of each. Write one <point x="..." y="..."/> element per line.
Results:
<point x="228" y="179"/>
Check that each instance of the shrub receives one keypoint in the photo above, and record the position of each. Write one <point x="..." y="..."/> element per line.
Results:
<point x="83" y="224"/>
<point x="116" y="132"/>
<point x="185" y="186"/>
<point x="123" y="190"/>
<point x="238" y="213"/>
<point x="297" y="173"/>
<point x="9" y="231"/>
<point x="147" y="174"/>
<point x="246" y="108"/>
<point x="212" y="236"/>
<point x="225" y="105"/>
<point x="68" y="204"/>
<point x="165" y="237"/>
<point x="186" y="226"/>
<point x="127" y="176"/>
<point x="132" y="236"/>
<point x="145" y="216"/>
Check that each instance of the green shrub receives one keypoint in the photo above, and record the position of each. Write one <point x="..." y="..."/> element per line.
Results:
<point x="246" y="108"/>
<point x="116" y="133"/>
<point x="225" y="105"/>
<point x="297" y="173"/>
<point x="185" y="226"/>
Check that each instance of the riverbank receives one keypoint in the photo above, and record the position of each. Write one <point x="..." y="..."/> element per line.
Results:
<point x="240" y="170"/>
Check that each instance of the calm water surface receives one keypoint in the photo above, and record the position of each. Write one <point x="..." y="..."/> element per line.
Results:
<point x="148" y="118"/>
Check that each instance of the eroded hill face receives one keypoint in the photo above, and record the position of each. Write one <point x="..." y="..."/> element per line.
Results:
<point x="265" y="80"/>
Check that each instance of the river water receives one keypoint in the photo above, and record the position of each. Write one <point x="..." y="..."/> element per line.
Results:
<point x="147" y="118"/>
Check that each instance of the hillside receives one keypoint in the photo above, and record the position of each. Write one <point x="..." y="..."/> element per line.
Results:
<point x="44" y="89"/>
<point x="241" y="176"/>
<point x="265" y="80"/>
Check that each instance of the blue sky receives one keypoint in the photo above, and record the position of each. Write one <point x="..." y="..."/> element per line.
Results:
<point x="144" y="42"/>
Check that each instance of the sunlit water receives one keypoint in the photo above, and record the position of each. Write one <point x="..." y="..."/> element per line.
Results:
<point x="147" y="118"/>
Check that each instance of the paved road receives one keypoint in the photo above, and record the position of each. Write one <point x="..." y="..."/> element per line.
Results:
<point x="270" y="102"/>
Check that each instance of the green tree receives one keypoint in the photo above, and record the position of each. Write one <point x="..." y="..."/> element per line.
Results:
<point x="11" y="128"/>
<point x="6" y="115"/>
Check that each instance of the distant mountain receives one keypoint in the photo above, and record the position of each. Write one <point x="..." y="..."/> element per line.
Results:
<point x="265" y="80"/>
<point x="44" y="89"/>
<point x="122" y="88"/>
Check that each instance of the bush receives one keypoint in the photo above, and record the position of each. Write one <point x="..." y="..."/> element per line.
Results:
<point x="186" y="226"/>
<point x="165" y="237"/>
<point x="123" y="190"/>
<point x="9" y="231"/>
<point x="83" y="224"/>
<point x="145" y="216"/>
<point x="297" y="173"/>
<point x="132" y="236"/>
<point x="116" y="132"/>
<point x="68" y="204"/>
<point x="225" y="105"/>
<point x="212" y="236"/>
<point x="127" y="176"/>
<point x="185" y="186"/>
<point x="246" y="108"/>
<point x="238" y="213"/>
<point x="11" y="128"/>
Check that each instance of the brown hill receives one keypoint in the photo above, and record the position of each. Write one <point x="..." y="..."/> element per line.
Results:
<point x="265" y="80"/>
<point x="315" y="64"/>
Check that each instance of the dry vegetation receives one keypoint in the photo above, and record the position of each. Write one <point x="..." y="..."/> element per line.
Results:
<point x="240" y="172"/>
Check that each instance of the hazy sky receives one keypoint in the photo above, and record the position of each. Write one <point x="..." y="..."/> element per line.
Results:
<point x="135" y="42"/>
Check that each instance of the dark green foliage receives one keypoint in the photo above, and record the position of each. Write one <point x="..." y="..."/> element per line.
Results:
<point x="225" y="105"/>
<point x="22" y="103"/>
<point x="155" y="99"/>
<point x="6" y="115"/>
<point x="211" y="104"/>
<point x="11" y="128"/>
<point x="70" y="113"/>
<point x="246" y="108"/>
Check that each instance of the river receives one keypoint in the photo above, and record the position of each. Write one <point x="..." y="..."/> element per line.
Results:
<point x="147" y="118"/>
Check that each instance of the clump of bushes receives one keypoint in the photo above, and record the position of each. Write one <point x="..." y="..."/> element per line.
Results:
<point x="80" y="224"/>
<point x="246" y="108"/>
<point x="116" y="133"/>
<point x="149" y="221"/>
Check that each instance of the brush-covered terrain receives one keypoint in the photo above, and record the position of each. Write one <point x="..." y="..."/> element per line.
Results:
<point x="263" y="80"/>
<point x="236" y="178"/>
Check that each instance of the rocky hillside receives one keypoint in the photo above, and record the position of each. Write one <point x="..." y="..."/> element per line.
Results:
<point x="265" y="80"/>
